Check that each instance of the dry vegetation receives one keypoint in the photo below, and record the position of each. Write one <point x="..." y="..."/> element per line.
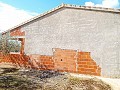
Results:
<point x="13" y="79"/>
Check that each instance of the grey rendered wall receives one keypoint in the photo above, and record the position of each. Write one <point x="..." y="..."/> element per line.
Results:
<point x="90" y="31"/>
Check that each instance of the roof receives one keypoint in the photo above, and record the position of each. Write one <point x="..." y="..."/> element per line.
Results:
<point x="112" y="10"/>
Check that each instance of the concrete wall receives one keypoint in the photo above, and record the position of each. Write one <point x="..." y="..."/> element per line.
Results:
<point x="92" y="31"/>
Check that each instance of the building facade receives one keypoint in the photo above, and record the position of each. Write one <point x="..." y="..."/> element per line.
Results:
<point x="86" y="29"/>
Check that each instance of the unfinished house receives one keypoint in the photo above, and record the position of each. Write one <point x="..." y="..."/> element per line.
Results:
<point x="72" y="38"/>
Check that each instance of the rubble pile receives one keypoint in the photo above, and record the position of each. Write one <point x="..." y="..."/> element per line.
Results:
<point x="31" y="79"/>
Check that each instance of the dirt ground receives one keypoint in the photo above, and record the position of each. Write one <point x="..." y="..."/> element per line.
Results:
<point x="12" y="79"/>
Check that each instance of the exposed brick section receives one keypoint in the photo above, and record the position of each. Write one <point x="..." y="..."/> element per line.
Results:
<point x="46" y="62"/>
<point x="17" y="32"/>
<point x="62" y="60"/>
<point x="18" y="59"/>
<point x="73" y="61"/>
<point x="86" y="65"/>
<point x="22" y="45"/>
<point x="42" y="62"/>
<point x="34" y="59"/>
<point x="65" y="60"/>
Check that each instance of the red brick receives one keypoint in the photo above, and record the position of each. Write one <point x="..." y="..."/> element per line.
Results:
<point x="85" y="64"/>
<point x="92" y="67"/>
<point x="17" y="32"/>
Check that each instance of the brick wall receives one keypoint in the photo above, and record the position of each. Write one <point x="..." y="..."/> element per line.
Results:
<point x="86" y="65"/>
<point x="22" y="45"/>
<point x="17" y="32"/>
<point x="18" y="59"/>
<point x="62" y="60"/>
<point x="74" y="61"/>
<point x="65" y="60"/>
<point x="42" y="62"/>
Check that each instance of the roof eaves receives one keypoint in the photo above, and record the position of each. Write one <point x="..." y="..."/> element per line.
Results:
<point x="93" y="8"/>
<point x="67" y="6"/>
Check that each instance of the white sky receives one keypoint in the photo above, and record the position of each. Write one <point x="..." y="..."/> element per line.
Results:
<point x="11" y="16"/>
<point x="105" y="3"/>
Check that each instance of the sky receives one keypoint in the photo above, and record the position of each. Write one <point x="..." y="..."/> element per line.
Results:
<point x="14" y="12"/>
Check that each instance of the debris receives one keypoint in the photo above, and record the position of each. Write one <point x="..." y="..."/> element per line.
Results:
<point x="48" y="80"/>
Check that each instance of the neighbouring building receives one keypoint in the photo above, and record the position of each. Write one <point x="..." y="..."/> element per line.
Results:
<point x="81" y="28"/>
